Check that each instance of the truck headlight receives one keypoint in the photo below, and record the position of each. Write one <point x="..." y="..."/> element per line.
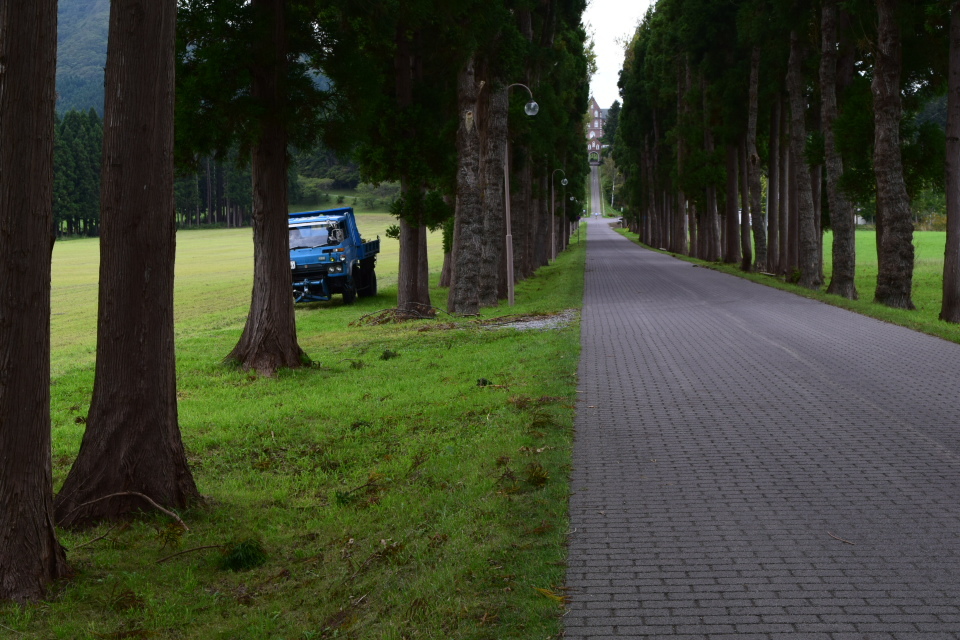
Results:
<point x="293" y="264"/>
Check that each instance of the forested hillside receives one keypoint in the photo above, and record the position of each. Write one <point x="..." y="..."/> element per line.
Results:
<point x="81" y="54"/>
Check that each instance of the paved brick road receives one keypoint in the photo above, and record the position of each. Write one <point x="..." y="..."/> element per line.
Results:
<point x="732" y="440"/>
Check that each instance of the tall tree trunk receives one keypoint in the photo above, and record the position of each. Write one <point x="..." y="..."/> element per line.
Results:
<point x="221" y="192"/>
<point x="468" y="234"/>
<point x="523" y="214"/>
<point x="653" y="212"/>
<point x="746" y="262"/>
<point x="694" y="223"/>
<point x="446" y="271"/>
<point x="793" y="214"/>
<point x="412" y="292"/>
<point x="773" y="191"/>
<point x="752" y="167"/>
<point x="713" y="225"/>
<point x="423" y="267"/>
<point x="30" y="555"/>
<point x="816" y="188"/>
<point x="786" y="189"/>
<point x="731" y="253"/>
<point x="950" y="308"/>
<point x="269" y="339"/>
<point x="842" y="281"/>
<point x="895" y="274"/>
<point x="541" y="238"/>
<point x="132" y="440"/>
<point x="196" y="179"/>
<point x="807" y="255"/>
<point x="683" y="231"/>
<point x="209" y="194"/>
<point x="714" y="245"/>
<point x="494" y="144"/>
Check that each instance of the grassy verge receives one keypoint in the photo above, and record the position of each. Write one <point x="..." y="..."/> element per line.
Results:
<point x="411" y="484"/>
<point x="927" y="282"/>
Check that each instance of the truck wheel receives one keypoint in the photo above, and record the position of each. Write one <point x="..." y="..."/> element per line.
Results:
<point x="369" y="289"/>
<point x="349" y="292"/>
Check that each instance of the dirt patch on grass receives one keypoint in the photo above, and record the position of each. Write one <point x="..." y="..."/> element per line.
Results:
<point x="529" y="322"/>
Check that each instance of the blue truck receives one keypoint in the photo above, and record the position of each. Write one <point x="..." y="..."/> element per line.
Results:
<point x="328" y="256"/>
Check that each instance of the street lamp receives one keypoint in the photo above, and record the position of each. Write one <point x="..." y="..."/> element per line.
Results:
<point x="572" y="199"/>
<point x="553" y="213"/>
<point x="531" y="109"/>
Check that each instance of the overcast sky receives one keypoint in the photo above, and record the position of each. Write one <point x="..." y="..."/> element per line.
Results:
<point x="610" y="23"/>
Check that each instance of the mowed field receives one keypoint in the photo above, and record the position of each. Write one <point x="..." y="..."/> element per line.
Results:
<point x="928" y="267"/>
<point x="411" y="482"/>
<point x="214" y="277"/>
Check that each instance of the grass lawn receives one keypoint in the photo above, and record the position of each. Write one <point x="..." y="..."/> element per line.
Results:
<point x="927" y="282"/>
<point x="412" y="483"/>
<point x="350" y="199"/>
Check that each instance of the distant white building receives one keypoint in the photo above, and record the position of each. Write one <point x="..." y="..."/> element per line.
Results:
<point x="596" y="119"/>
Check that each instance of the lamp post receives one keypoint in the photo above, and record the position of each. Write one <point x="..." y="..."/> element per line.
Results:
<point x="531" y="109"/>
<point x="563" y="215"/>
<point x="572" y="199"/>
<point x="553" y="213"/>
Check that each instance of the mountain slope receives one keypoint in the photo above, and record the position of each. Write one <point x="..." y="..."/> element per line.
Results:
<point x="81" y="53"/>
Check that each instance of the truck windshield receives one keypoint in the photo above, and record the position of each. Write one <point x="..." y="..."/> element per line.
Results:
<point x="306" y="236"/>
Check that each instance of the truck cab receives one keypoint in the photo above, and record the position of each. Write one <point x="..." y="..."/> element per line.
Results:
<point x="328" y="256"/>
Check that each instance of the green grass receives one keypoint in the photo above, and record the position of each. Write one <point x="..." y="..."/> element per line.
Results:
<point x="392" y="498"/>
<point x="927" y="282"/>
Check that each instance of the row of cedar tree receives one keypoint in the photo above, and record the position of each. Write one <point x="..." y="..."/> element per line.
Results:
<point x="824" y="97"/>
<point x="417" y="90"/>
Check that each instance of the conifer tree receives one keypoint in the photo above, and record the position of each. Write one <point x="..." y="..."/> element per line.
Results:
<point x="30" y="555"/>
<point x="132" y="456"/>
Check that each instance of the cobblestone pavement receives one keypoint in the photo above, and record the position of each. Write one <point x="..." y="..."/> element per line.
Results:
<point x="753" y="465"/>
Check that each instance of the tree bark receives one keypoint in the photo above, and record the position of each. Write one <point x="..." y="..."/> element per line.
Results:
<point x="523" y="214"/>
<point x="710" y="230"/>
<point x="209" y="194"/>
<point x="731" y="252"/>
<point x="30" y="555"/>
<point x="541" y="238"/>
<point x="446" y="271"/>
<point x="409" y="290"/>
<point x="786" y="187"/>
<point x="494" y="145"/>
<point x="746" y="262"/>
<point x="712" y="227"/>
<point x="423" y="267"/>
<point x="807" y="254"/>
<point x="693" y="224"/>
<point x="895" y="274"/>
<point x="752" y="167"/>
<point x="132" y="440"/>
<point x="816" y="188"/>
<point x="413" y="290"/>
<point x="683" y="230"/>
<point x="950" y="307"/>
<point x="269" y="338"/>
<point x="793" y="216"/>
<point x="842" y="280"/>
<point x="773" y="190"/>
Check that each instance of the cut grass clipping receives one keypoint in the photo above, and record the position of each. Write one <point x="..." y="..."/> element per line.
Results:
<point x="379" y="493"/>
